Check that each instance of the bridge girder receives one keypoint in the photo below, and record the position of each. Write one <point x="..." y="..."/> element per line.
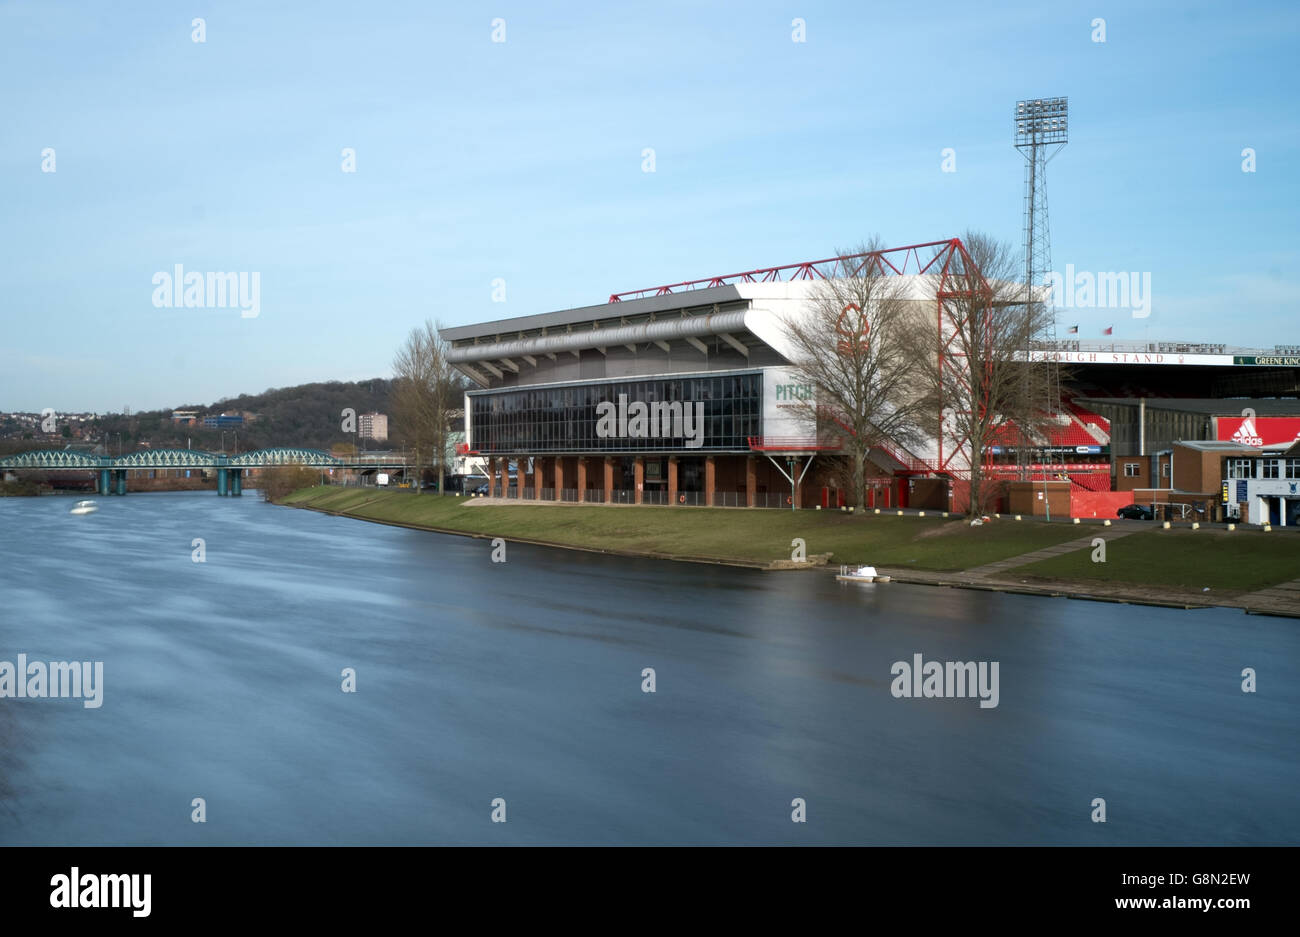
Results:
<point x="52" y="459"/>
<point x="167" y="458"/>
<point x="283" y="456"/>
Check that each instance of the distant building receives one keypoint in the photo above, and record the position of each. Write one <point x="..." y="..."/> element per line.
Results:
<point x="224" y="420"/>
<point x="373" y="426"/>
<point x="184" y="417"/>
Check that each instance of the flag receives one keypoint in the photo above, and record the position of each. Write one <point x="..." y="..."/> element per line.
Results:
<point x="1072" y="330"/>
<point x="1109" y="330"/>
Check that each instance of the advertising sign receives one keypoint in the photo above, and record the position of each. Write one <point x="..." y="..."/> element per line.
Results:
<point x="1259" y="431"/>
<point x="1284" y="361"/>
<point x="786" y="401"/>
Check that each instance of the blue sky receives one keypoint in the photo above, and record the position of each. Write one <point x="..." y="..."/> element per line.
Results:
<point x="522" y="160"/>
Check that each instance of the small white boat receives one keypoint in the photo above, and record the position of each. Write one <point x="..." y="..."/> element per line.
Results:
<point x="84" y="507"/>
<point x="860" y="574"/>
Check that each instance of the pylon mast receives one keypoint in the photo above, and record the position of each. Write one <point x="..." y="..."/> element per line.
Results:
<point x="1041" y="132"/>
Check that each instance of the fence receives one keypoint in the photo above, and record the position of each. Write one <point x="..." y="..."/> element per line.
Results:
<point x="649" y="496"/>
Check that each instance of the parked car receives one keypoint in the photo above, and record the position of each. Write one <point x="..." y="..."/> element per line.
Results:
<point x="476" y="487"/>
<point x="1135" y="512"/>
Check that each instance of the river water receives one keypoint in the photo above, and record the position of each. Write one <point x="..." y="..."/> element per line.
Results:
<point x="523" y="681"/>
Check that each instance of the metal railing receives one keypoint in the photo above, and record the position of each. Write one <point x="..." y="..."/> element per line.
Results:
<point x="649" y="496"/>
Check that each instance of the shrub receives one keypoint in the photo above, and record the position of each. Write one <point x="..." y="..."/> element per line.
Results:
<point x="278" y="481"/>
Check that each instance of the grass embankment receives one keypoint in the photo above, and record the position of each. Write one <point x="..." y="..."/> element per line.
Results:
<point x="1235" y="562"/>
<point x="759" y="536"/>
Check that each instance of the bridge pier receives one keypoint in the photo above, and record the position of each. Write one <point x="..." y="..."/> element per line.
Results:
<point x="120" y="478"/>
<point x="221" y="482"/>
<point x="104" y="489"/>
<point x="236" y="482"/>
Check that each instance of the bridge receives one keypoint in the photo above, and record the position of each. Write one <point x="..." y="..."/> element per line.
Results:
<point x="229" y="468"/>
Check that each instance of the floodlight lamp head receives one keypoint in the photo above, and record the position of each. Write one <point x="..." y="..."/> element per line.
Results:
<point x="1042" y="120"/>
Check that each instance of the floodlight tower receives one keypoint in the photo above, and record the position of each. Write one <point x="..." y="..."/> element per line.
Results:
<point x="1041" y="132"/>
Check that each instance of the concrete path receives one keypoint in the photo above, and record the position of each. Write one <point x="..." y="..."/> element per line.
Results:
<point x="1284" y="597"/>
<point x="1001" y="566"/>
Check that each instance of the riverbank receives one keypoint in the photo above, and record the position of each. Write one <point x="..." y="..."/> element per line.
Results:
<point x="1180" y="567"/>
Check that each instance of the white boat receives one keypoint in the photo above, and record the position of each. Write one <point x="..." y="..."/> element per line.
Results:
<point x="860" y="574"/>
<point x="84" y="507"/>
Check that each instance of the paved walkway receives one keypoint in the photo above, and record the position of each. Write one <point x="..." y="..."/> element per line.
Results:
<point x="1282" y="597"/>
<point x="1024" y="559"/>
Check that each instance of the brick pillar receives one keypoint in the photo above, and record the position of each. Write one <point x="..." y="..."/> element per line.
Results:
<point x="492" y="476"/>
<point x="505" y="477"/>
<point x="672" y="479"/>
<point x="609" y="480"/>
<point x="710" y="478"/>
<point x="559" y="477"/>
<point x="638" y="476"/>
<point x="539" y="472"/>
<point x="798" y="488"/>
<point x="582" y="479"/>
<point x="751" y="480"/>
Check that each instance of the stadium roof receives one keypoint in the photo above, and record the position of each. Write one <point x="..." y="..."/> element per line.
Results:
<point x="1228" y="406"/>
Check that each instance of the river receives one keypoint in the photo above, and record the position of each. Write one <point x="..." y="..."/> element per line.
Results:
<point x="523" y="681"/>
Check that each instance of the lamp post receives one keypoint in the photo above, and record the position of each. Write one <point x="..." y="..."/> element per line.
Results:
<point x="1047" y="501"/>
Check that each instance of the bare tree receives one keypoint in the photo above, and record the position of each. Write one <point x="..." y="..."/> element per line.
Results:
<point x="984" y="387"/>
<point x="856" y="345"/>
<point x="425" y="389"/>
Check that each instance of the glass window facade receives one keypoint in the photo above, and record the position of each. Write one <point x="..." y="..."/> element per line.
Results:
<point x="564" y="418"/>
<point x="1241" y="468"/>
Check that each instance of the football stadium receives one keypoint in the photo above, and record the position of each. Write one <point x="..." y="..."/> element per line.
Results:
<point x="689" y="394"/>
